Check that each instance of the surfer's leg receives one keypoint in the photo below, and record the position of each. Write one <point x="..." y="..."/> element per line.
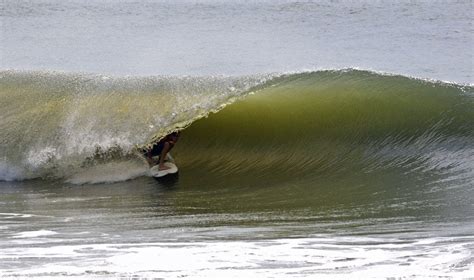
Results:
<point x="163" y="156"/>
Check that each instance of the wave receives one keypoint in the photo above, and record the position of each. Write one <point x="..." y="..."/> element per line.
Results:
<point x="51" y="122"/>
<point x="304" y="126"/>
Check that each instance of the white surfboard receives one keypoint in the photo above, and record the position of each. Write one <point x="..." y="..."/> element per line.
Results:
<point x="156" y="172"/>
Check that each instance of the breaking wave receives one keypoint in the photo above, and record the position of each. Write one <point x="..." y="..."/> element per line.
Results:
<point x="308" y="125"/>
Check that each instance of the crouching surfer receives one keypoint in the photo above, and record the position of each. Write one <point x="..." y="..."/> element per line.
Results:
<point x="161" y="149"/>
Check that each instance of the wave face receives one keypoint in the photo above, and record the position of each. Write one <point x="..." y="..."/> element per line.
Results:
<point x="318" y="126"/>
<point x="351" y="126"/>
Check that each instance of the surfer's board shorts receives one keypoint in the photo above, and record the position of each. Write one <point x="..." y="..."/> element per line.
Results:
<point x="156" y="149"/>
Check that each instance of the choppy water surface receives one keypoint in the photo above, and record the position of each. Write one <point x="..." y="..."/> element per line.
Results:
<point x="188" y="228"/>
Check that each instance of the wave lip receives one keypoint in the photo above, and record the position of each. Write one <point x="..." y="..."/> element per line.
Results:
<point x="52" y="123"/>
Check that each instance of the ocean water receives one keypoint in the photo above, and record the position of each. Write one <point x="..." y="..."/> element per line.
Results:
<point x="320" y="139"/>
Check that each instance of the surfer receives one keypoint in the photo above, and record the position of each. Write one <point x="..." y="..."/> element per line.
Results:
<point x="161" y="149"/>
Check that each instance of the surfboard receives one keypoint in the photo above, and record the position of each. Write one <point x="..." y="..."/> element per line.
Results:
<point x="157" y="173"/>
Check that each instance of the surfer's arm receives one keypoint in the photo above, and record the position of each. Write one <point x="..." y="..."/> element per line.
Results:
<point x="149" y="160"/>
<point x="149" y="157"/>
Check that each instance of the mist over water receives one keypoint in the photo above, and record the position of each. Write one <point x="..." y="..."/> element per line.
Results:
<point x="319" y="139"/>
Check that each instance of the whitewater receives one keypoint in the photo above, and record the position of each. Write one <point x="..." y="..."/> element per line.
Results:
<point x="326" y="139"/>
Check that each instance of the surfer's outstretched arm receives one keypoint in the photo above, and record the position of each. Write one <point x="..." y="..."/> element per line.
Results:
<point x="149" y="158"/>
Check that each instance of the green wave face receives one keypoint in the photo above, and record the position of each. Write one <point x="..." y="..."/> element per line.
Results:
<point x="344" y="128"/>
<point x="350" y="127"/>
